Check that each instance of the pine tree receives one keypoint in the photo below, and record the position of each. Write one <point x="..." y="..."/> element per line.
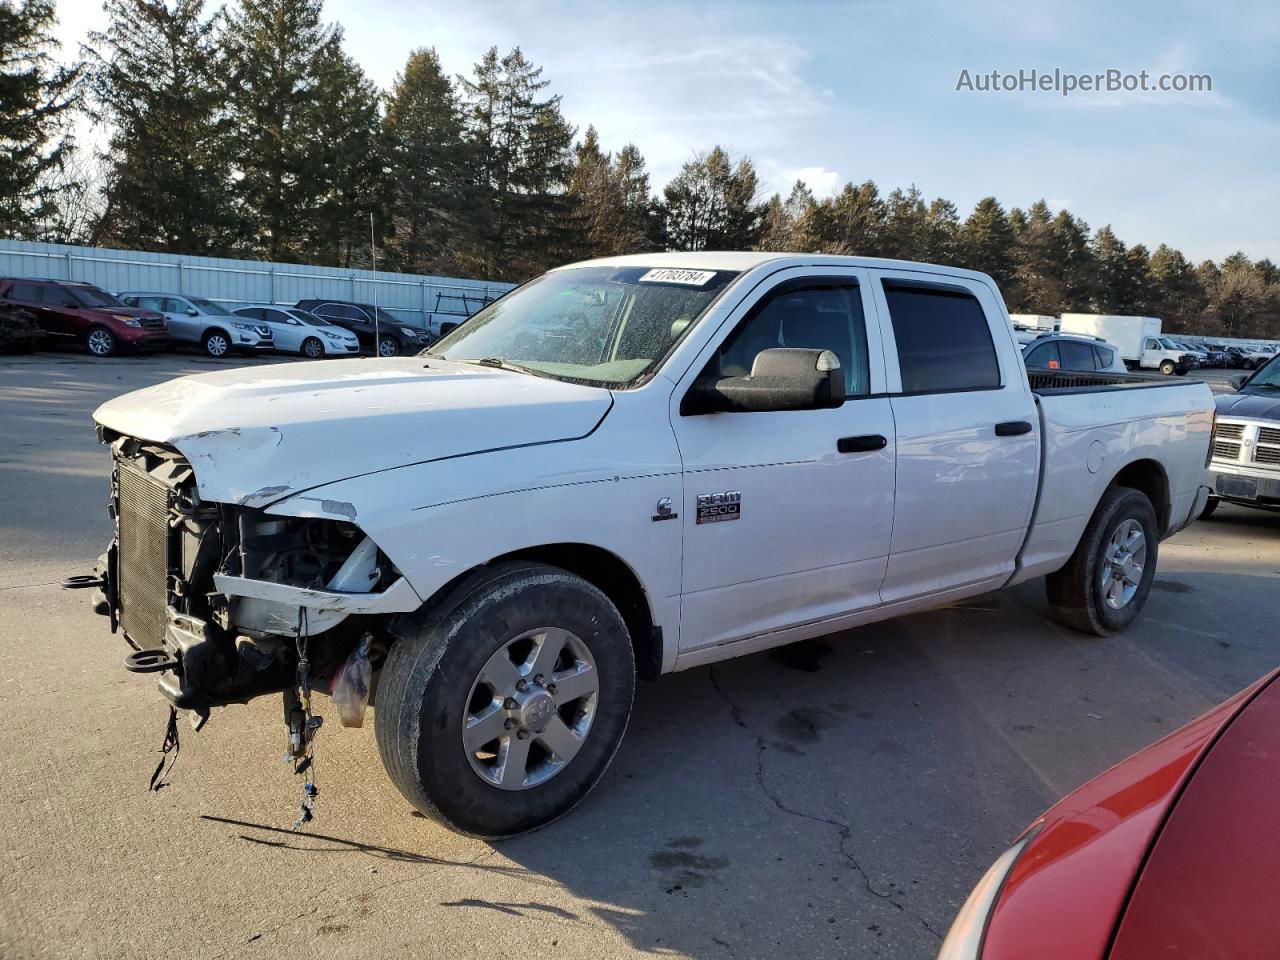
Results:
<point x="1038" y="285"/>
<point x="273" y="49"/>
<point x="1074" y="257"/>
<point x="1179" y="297"/>
<point x="986" y="241"/>
<point x="790" y="226"/>
<point x="641" y="220"/>
<point x="37" y="98"/>
<point x="711" y="204"/>
<point x="520" y="151"/>
<point x="351" y="171"/>
<point x="1114" y="291"/>
<point x="905" y="226"/>
<point x="941" y="233"/>
<point x="155" y="81"/>
<point x="852" y="222"/>
<point x="427" y="164"/>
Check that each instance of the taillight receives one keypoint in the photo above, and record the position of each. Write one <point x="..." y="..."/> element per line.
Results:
<point x="1213" y="435"/>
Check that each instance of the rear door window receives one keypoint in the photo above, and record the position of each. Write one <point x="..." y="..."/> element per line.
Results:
<point x="1106" y="357"/>
<point x="57" y="297"/>
<point x="1076" y="356"/>
<point x="944" y="340"/>
<point x="24" y="293"/>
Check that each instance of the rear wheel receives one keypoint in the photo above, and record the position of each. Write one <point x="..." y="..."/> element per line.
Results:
<point x="388" y="347"/>
<point x="313" y="348"/>
<point x="217" y="343"/>
<point x="100" y="341"/>
<point x="1210" y="506"/>
<point x="501" y="707"/>
<point x="1105" y="584"/>
<point x="1167" y="367"/>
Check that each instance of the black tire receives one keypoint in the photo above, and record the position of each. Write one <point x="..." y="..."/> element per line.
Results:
<point x="1167" y="367"/>
<point x="388" y="347"/>
<point x="1075" y="592"/>
<point x="217" y="343"/>
<point x="428" y="677"/>
<point x="1210" y="506"/>
<point x="100" y="342"/>
<point x="312" y="348"/>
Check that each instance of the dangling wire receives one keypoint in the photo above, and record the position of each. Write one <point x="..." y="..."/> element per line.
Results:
<point x="306" y="763"/>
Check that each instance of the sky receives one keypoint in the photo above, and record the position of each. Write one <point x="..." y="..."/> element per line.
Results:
<point x="836" y="92"/>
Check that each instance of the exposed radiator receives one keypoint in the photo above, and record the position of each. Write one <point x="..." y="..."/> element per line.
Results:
<point x="143" y="571"/>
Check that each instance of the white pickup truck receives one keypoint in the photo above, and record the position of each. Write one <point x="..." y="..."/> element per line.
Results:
<point x="627" y="466"/>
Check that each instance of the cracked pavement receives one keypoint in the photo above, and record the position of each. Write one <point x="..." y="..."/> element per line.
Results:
<point x="833" y="799"/>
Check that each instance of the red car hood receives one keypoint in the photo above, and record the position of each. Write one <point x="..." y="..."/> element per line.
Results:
<point x="1065" y="895"/>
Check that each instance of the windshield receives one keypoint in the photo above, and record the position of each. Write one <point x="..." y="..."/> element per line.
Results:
<point x="209" y="307"/>
<point x="93" y="297"/>
<point x="384" y="315"/>
<point x="310" y="318"/>
<point x="1267" y="376"/>
<point x="607" y="326"/>
<point x="1168" y="344"/>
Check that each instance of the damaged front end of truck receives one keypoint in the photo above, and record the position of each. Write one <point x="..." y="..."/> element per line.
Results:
<point x="224" y="601"/>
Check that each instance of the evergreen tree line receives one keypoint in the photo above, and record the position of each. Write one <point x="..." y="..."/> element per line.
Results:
<point x="250" y="131"/>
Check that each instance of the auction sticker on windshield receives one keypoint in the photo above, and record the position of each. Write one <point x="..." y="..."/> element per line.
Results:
<point x="691" y="278"/>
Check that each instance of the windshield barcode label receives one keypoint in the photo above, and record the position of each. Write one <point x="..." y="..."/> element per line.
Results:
<point x="691" y="278"/>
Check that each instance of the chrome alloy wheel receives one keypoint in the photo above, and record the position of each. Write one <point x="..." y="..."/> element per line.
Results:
<point x="216" y="345"/>
<point x="530" y="709"/>
<point x="388" y="348"/>
<point x="1122" y="564"/>
<point x="100" y="342"/>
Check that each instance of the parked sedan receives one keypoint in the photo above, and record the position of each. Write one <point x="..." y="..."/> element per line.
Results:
<point x="83" y="312"/>
<point x="296" y="331"/>
<point x="1171" y="853"/>
<point x="389" y="336"/>
<point x="197" y="320"/>
<point x="1064" y="351"/>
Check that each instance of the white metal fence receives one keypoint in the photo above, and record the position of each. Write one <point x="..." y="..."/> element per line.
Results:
<point x="417" y="298"/>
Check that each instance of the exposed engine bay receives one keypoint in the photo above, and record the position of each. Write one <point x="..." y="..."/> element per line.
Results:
<point x="219" y="599"/>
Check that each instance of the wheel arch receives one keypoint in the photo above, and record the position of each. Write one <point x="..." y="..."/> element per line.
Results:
<point x="608" y="573"/>
<point x="1148" y="477"/>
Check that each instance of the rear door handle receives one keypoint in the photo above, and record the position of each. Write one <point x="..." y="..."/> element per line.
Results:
<point x="864" y="444"/>
<point x="1013" y="428"/>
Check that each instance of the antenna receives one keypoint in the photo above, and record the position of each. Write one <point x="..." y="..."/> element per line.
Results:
<point x="373" y="253"/>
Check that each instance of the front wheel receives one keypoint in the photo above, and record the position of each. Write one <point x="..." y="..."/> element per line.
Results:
<point x="501" y="707"/>
<point x="1210" y="506"/>
<point x="1104" y="585"/>
<point x="313" y="348"/>
<point x="388" y="347"/>
<point x="100" y="341"/>
<point x="1167" y="367"/>
<point x="217" y="343"/>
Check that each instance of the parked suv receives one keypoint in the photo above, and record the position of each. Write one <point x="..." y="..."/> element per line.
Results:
<point x="196" y="320"/>
<point x="1059" y="351"/>
<point x="1245" y="468"/>
<point x="389" y="337"/>
<point x="92" y="316"/>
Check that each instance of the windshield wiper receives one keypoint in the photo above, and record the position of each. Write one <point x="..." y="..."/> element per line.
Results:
<point x="492" y="362"/>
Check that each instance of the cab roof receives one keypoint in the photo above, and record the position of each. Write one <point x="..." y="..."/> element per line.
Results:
<point x="741" y="261"/>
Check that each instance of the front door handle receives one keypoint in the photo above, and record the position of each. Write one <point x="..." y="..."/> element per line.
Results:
<point x="864" y="444"/>
<point x="1013" y="428"/>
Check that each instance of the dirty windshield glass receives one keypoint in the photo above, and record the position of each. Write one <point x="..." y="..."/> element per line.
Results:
<point x="599" y="325"/>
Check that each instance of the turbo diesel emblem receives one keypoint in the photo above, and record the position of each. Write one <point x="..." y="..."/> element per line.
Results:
<point x="719" y="507"/>
<point x="664" y="511"/>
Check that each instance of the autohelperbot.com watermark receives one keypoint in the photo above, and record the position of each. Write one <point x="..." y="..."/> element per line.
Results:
<point x="1064" y="82"/>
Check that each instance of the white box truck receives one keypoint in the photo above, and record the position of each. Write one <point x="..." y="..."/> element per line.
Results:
<point x="1138" y="338"/>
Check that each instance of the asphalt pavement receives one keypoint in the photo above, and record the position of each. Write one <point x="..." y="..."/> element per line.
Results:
<point x="836" y="798"/>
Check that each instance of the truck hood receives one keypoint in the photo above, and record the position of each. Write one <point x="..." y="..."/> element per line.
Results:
<point x="259" y="434"/>
<point x="1262" y="405"/>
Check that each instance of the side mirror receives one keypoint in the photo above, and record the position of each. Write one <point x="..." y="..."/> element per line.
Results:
<point x="1239" y="381"/>
<point x="782" y="378"/>
<point x="192" y="312"/>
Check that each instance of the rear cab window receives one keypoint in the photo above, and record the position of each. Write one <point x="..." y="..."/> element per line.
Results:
<point x="943" y="337"/>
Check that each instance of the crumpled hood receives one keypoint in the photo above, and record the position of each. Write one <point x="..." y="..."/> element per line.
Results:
<point x="258" y="434"/>
<point x="1263" y="405"/>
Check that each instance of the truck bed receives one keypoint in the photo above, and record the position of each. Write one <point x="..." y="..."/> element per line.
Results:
<point x="1056" y="382"/>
